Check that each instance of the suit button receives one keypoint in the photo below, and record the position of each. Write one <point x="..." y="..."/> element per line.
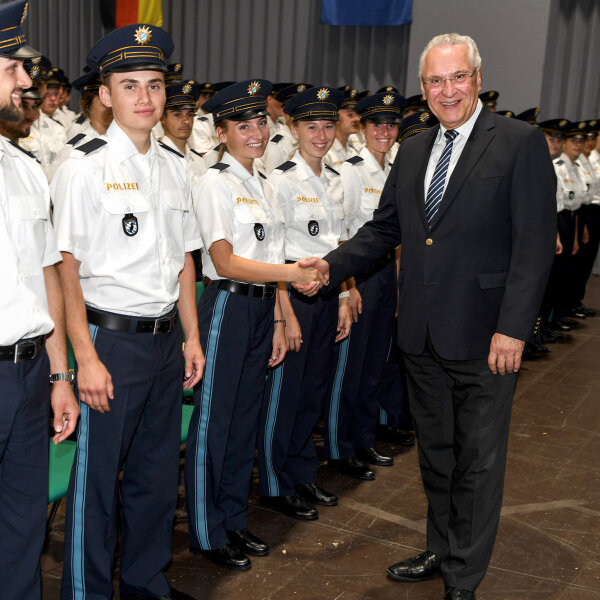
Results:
<point x="429" y="241"/>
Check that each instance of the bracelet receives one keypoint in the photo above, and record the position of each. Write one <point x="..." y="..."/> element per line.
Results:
<point x="344" y="295"/>
<point x="280" y="321"/>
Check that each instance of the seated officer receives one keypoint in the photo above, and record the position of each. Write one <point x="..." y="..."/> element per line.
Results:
<point x="177" y="122"/>
<point x="32" y="332"/>
<point x="126" y="232"/>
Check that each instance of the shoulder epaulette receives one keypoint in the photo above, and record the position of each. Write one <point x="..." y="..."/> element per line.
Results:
<point x="262" y="175"/>
<point x="353" y="160"/>
<point x="91" y="146"/>
<point x="220" y="166"/>
<point x="53" y="119"/>
<point x="277" y="138"/>
<point x="217" y="147"/>
<point x="202" y="118"/>
<point x="331" y="169"/>
<point x="165" y="147"/>
<point x="196" y="152"/>
<point x="75" y="139"/>
<point x="30" y="154"/>
<point x="559" y="161"/>
<point x="286" y="166"/>
<point x="80" y="119"/>
<point x="576" y="163"/>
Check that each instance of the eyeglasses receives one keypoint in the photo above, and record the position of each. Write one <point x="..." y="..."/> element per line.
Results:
<point x="436" y="83"/>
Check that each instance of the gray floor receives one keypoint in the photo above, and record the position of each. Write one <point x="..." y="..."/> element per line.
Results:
<point x="548" y="545"/>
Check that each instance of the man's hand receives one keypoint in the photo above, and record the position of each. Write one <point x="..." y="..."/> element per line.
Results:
<point x="293" y="334"/>
<point x="320" y="265"/>
<point x="65" y="409"/>
<point x="95" y="385"/>
<point x="585" y="236"/>
<point x="355" y="304"/>
<point x="505" y="354"/>
<point x="344" y="320"/>
<point x="559" y="246"/>
<point x="575" y="245"/>
<point x="280" y="345"/>
<point x="194" y="363"/>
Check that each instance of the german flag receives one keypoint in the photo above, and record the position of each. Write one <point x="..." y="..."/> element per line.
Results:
<point x="117" y="13"/>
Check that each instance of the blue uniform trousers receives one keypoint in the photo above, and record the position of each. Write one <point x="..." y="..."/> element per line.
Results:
<point x="23" y="475"/>
<point x="352" y="410"/>
<point x="236" y="333"/>
<point x="141" y="434"/>
<point x="294" y="398"/>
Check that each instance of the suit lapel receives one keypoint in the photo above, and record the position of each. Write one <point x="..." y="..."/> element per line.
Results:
<point x="481" y="136"/>
<point x="422" y="161"/>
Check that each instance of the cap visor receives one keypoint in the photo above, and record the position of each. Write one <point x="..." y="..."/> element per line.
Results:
<point x="22" y="53"/>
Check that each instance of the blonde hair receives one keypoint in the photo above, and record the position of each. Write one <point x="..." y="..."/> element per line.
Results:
<point x="452" y="39"/>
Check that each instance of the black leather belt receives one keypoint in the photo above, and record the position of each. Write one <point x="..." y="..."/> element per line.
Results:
<point x="264" y="292"/>
<point x="23" y="350"/>
<point x="131" y="324"/>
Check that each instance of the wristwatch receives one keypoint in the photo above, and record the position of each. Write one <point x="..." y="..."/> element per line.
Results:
<point x="67" y="376"/>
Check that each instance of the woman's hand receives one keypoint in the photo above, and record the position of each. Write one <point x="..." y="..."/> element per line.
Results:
<point x="293" y="334"/>
<point x="279" y="345"/>
<point x="344" y="320"/>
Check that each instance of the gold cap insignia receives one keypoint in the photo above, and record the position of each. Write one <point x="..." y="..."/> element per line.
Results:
<point x="593" y="123"/>
<point x="508" y="113"/>
<point x="389" y="88"/>
<point x="35" y="71"/>
<point x="253" y="88"/>
<point x="563" y="123"/>
<point x="536" y="112"/>
<point x="143" y="35"/>
<point x="424" y="116"/>
<point x="301" y="88"/>
<point x="353" y="93"/>
<point x="323" y="94"/>
<point x="186" y="88"/>
<point x="25" y="11"/>
<point x="177" y="68"/>
<point x="492" y="94"/>
<point x="389" y="99"/>
<point x="581" y="125"/>
<point x="36" y="60"/>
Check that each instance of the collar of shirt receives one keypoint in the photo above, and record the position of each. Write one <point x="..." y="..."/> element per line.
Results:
<point x="305" y="171"/>
<point x="123" y="148"/>
<point x="466" y="128"/>
<point x="371" y="162"/>
<point x="237" y="169"/>
<point x="7" y="148"/>
<point x="167" y="141"/>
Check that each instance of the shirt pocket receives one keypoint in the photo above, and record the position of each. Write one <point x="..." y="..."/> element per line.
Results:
<point x="126" y="226"/>
<point x="32" y="219"/>
<point x="369" y="201"/>
<point x="304" y="211"/>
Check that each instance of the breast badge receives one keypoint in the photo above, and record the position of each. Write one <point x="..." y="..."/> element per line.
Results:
<point x="259" y="231"/>
<point x="313" y="228"/>
<point x="130" y="224"/>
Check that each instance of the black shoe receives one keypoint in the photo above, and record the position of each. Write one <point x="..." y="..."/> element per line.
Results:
<point x="395" y="435"/>
<point x="540" y="348"/>
<point x="568" y="322"/>
<point x="247" y="542"/>
<point x="227" y="556"/>
<point x="353" y="468"/>
<point x="315" y="494"/>
<point x="173" y="594"/>
<point x="291" y="506"/>
<point x="588" y="312"/>
<point x="373" y="457"/>
<point x="549" y="337"/>
<point x="576" y="313"/>
<point x="453" y="593"/>
<point x="530" y="353"/>
<point x="559" y="326"/>
<point x="422" y="567"/>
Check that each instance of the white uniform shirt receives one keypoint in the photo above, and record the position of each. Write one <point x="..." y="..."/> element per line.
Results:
<point x="204" y="136"/>
<point x="192" y="159"/>
<point x="362" y="183"/>
<point x="65" y="116"/>
<point x="594" y="159"/>
<point x="232" y="205"/>
<point x="591" y="178"/>
<point x="312" y="208"/>
<point x="279" y="149"/>
<point x="357" y="141"/>
<point x="571" y="190"/>
<point x="79" y="124"/>
<point x="27" y="245"/>
<point x="93" y="196"/>
<point x="338" y="154"/>
<point x="46" y="139"/>
<point x="88" y="133"/>
<point x="391" y="154"/>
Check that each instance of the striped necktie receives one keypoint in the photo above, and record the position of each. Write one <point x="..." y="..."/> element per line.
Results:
<point x="436" y="187"/>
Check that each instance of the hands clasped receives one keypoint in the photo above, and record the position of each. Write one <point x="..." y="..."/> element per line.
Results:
<point x="311" y="274"/>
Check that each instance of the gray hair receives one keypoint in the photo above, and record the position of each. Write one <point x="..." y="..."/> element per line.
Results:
<point x="452" y="39"/>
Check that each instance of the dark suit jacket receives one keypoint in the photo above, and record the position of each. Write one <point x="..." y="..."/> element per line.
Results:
<point x="491" y="244"/>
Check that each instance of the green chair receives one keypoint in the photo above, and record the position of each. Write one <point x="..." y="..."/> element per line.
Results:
<point x="61" y="461"/>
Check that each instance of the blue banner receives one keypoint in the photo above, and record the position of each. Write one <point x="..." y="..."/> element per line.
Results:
<point x="366" y="13"/>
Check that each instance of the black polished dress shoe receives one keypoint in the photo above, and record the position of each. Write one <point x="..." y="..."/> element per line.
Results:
<point x="291" y="506"/>
<point x="373" y="457"/>
<point x="588" y="312"/>
<point x="227" y="556"/>
<point x="453" y="593"/>
<point x="422" y="567"/>
<point x="394" y="435"/>
<point x="315" y="494"/>
<point x="247" y="542"/>
<point x="353" y="468"/>
<point x="559" y="326"/>
<point x="549" y="336"/>
<point x="576" y="313"/>
<point x="173" y="594"/>
<point x="530" y="353"/>
<point x="568" y="322"/>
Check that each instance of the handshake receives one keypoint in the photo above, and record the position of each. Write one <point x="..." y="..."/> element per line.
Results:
<point x="309" y="275"/>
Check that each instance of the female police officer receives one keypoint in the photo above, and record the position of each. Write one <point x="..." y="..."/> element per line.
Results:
<point x="239" y="319"/>
<point x="310" y="196"/>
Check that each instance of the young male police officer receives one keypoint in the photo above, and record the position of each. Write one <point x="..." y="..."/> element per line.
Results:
<point x="31" y="307"/>
<point x="125" y="229"/>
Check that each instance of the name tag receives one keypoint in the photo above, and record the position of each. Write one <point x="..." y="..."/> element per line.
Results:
<point x="369" y="190"/>
<point x="246" y="200"/>
<point x="307" y="200"/>
<point x="121" y="187"/>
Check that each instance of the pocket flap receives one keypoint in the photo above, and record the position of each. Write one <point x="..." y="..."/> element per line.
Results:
<point x="119" y="203"/>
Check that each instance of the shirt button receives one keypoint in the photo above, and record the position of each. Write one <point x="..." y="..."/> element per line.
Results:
<point x="429" y="241"/>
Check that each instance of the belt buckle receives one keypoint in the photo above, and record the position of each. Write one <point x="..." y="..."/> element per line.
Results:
<point x="159" y="322"/>
<point x="25" y="350"/>
<point x="266" y="289"/>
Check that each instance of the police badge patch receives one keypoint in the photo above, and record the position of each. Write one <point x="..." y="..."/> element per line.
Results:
<point x="259" y="231"/>
<point x="313" y="228"/>
<point x="571" y="195"/>
<point x="130" y="224"/>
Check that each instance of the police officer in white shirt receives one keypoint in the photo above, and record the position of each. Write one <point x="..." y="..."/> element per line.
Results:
<point x="310" y="196"/>
<point x="64" y="115"/>
<point x="177" y="122"/>
<point x="360" y="358"/>
<point x="347" y="124"/>
<point x="126" y="231"/>
<point x="204" y="136"/>
<point x="241" y="326"/>
<point x="32" y="333"/>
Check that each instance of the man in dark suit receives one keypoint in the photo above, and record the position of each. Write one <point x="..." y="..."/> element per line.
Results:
<point x="473" y="204"/>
